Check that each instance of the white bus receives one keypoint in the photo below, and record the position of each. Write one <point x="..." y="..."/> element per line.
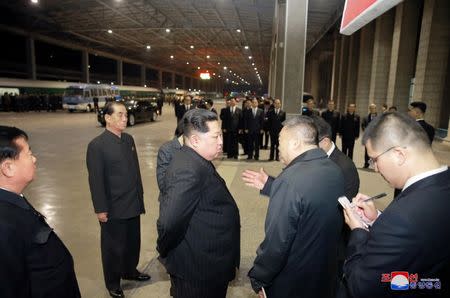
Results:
<point x="81" y="97"/>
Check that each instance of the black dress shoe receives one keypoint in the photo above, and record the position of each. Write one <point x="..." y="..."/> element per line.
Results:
<point x="138" y="277"/>
<point x="116" y="293"/>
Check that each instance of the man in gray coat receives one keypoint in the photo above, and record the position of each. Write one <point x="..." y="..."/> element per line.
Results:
<point x="298" y="257"/>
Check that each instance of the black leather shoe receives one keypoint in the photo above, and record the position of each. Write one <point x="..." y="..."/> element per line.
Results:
<point x="139" y="277"/>
<point x="116" y="293"/>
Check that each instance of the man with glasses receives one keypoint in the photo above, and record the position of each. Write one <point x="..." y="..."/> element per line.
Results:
<point x="411" y="235"/>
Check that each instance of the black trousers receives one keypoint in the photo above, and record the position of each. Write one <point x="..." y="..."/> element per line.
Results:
<point x="264" y="139"/>
<point x="253" y="144"/>
<point x="225" y="142"/>
<point x="274" y="146"/>
<point x="190" y="289"/>
<point x="120" y="245"/>
<point x="233" y="146"/>
<point x="347" y="147"/>
<point x="366" y="158"/>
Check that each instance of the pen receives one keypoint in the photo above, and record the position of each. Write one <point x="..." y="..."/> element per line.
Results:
<point x="383" y="194"/>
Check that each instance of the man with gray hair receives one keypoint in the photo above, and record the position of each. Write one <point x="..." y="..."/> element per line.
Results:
<point x="198" y="224"/>
<point x="298" y="257"/>
<point x="411" y="235"/>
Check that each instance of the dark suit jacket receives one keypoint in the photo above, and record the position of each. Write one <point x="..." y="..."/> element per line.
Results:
<point x="351" y="177"/>
<point x="298" y="257"/>
<point x="333" y="118"/>
<point x="254" y="124"/>
<point x="367" y="120"/>
<point x="33" y="260"/>
<point x="412" y="234"/>
<point x="180" y="110"/>
<point x="349" y="127"/>
<point x="275" y="121"/>
<point x="114" y="176"/>
<point x="165" y="155"/>
<point x="198" y="224"/>
<point x="231" y="122"/>
<point x="428" y="129"/>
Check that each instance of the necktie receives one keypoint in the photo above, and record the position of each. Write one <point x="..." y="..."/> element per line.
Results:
<point x="254" y="112"/>
<point x="277" y="111"/>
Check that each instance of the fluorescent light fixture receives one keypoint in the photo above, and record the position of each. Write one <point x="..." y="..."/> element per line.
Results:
<point x="167" y="30"/>
<point x="109" y="31"/>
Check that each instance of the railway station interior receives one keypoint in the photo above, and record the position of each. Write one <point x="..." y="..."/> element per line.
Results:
<point x="255" y="48"/>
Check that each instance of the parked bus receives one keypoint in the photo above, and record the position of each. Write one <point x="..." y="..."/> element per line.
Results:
<point x="81" y="97"/>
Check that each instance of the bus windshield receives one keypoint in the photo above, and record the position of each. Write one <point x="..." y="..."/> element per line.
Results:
<point x="73" y="91"/>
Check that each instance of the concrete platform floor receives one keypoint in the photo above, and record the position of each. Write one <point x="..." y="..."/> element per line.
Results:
<point x="61" y="192"/>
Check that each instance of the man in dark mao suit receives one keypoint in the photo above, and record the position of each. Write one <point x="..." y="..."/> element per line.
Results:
<point x="411" y="234"/>
<point x="333" y="118"/>
<point x="33" y="260"/>
<point x="276" y="118"/>
<point x="232" y="126"/>
<point x="198" y="224"/>
<point x="349" y="130"/>
<point x="417" y="111"/>
<point x="253" y="126"/>
<point x="298" y="257"/>
<point x="118" y="198"/>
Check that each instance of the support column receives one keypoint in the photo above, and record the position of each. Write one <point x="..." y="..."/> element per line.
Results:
<point x="432" y="60"/>
<point x="184" y="82"/>
<point x="294" y="56"/>
<point x="382" y="49"/>
<point x="315" y="76"/>
<point x="160" y="79"/>
<point x="31" y="59"/>
<point x="85" y="66"/>
<point x="340" y="105"/>
<point x="403" y="58"/>
<point x="280" y="17"/>
<point x="352" y="70"/>
<point x="336" y="66"/>
<point x="173" y="81"/>
<point x="364" y="67"/>
<point x="119" y="72"/>
<point x="143" y="78"/>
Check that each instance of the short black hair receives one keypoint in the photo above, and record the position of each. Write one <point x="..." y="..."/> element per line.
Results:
<point x="195" y="120"/>
<point x="8" y="146"/>
<point x="393" y="108"/>
<point x="109" y="107"/>
<point x="209" y="101"/>
<point x="304" y="127"/>
<point x="323" y="128"/>
<point x="420" y="105"/>
<point x="395" y="129"/>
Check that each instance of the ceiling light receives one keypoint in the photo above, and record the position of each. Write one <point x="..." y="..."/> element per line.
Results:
<point x="145" y="86"/>
<point x="250" y="57"/>
<point x="253" y="64"/>
<point x="34" y="1"/>
<point x="98" y="82"/>
<point x="198" y="67"/>
<point x="191" y="46"/>
<point x="148" y="47"/>
<point x="171" y="56"/>
<point x="109" y="31"/>
<point x="230" y="71"/>
<point x="218" y="63"/>
<point x="207" y="56"/>
<point x="167" y="30"/>
<point x="238" y="30"/>
<point x="220" y="76"/>
<point x="246" y="47"/>
<point x="225" y="68"/>
<point x="255" y="68"/>
<point x="187" y="62"/>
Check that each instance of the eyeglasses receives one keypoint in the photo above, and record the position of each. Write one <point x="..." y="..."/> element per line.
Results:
<point x="373" y="160"/>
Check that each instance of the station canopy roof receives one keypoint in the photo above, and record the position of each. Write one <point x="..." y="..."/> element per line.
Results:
<point x="210" y="34"/>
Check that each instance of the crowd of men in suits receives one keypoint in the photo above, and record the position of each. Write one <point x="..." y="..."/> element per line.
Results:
<point x="252" y="125"/>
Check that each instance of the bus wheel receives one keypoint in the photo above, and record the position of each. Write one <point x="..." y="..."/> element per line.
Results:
<point x="131" y="120"/>
<point x="71" y="110"/>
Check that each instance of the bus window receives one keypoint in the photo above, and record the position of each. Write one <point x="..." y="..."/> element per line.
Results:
<point x="86" y="93"/>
